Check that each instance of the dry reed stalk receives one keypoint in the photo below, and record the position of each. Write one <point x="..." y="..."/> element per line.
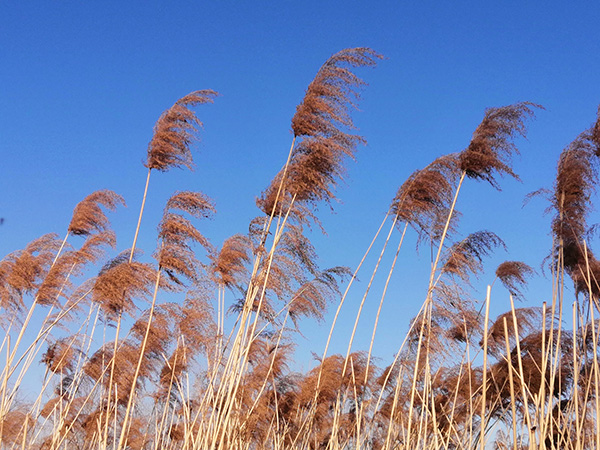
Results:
<point x="387" y="281"/>
<point x="521" y="375"/>
<point x="485" y="353"/>
<point x="341" y="303"/>
<point x="368" y="288"/>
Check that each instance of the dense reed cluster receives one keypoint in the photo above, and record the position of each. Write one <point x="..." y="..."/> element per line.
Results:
<point x="194" y="349"/>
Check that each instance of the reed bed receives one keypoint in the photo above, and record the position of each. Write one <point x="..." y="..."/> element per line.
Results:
<point x="127" y="370"/>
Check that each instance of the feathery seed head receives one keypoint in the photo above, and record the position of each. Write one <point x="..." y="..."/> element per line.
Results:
<point x="88" y="216"/>
<point x="491" y="147"/>
<point x="174" y="132"/>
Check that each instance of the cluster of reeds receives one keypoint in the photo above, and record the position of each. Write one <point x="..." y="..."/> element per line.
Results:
<point x="125" y="369"/>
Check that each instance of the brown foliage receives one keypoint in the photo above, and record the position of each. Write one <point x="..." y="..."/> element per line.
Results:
<point x="100" y="365"/>
<point x="175" y="255"/>
<point x="229" y="265"/>
<point x="465" y="258"/>
<point x="195" y="324"/>
<point x="513" y="275"/>
<point x="491" y="147"/>
<point x="138" y="437"/>
<point x="174" y="132"/>
<point x="320" y="120"/>
<point x="160" y="333"/>
<point x="60" y="355"/>
<point x="88" y="216"/>
<point x="23" y="271"/>
<point x="311" y="299"/>
<point x="528" y="320"/>
<point x="287" y="271"/>
<point x="424" y="199"/>
<point x="71" y="263"/>
<point x="556" y="383"/>
<point x="119" y="283"/>
<point x="172" y="370"/>
<point x="453" y="392"/>
<point x="576" y="180"/>
<point x="15" y="424"/>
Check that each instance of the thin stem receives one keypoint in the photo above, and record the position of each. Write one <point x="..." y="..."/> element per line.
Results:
<point x="137" y="229"/>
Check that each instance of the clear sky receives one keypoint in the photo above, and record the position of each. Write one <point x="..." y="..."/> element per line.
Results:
<point x="82" y="83"/>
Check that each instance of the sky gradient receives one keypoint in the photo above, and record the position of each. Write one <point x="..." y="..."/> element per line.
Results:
<point x="82" y="83"/>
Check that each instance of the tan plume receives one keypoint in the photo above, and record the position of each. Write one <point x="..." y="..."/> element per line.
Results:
<point x="174" y="132"/>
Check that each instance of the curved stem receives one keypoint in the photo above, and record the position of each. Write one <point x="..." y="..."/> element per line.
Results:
<point x="137" y="230"/>
<point x="387" y="282"/>
<point x="139" y="362"/>
<point x="362" y="303"/>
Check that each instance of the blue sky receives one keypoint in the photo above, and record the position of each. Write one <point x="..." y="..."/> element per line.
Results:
<point x="82" y="83"/>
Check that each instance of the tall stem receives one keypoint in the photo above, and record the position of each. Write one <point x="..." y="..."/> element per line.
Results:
<point x="139" y="362"/>
<point x="444" y="234"/>
<point x="137" y="230"/>
<point x="387" y="282"/>
<point x="362" y="303"/>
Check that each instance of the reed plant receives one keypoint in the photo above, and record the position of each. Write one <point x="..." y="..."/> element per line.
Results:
<point x="139" y="355"/>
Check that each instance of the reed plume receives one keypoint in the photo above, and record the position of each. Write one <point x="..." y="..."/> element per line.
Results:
<point x="169" y="147"/>
<point x="312" y="298"/>
<point x="119" y="283"/>
<point x="72" y="263"/>
<point x="160" y="330"/>
<point x="88" y="216"/>
<point x="491" y="148"/>
<point x="465" y="258"/>
<point x="15" y="426"/>
<point x="424" y="199"/>
<point x="513" y="276"/>
<point x="229" y="264"/>
<point x="176" y="233"/>
<point x="576" y="180"/>
<point x="60" y="355"/>
<point x="22" y="272"/>
<point x="175" y="130"/>
<point x="528" y="320"/>
<point x="321" y="125"/>
<point x="195" y="323"/>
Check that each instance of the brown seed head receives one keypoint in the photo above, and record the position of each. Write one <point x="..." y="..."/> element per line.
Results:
<point x="174" y="132"/>
<point x="321" y="125"/>
<point x="465" y="258"/>
<point x="424" y="199"/>
<point x="513" y="275"/>
<point x="119" y="283"/>
<point x="229" y="265"/>
<point x="492" y="146"/>
<point x="88" y="216"/>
